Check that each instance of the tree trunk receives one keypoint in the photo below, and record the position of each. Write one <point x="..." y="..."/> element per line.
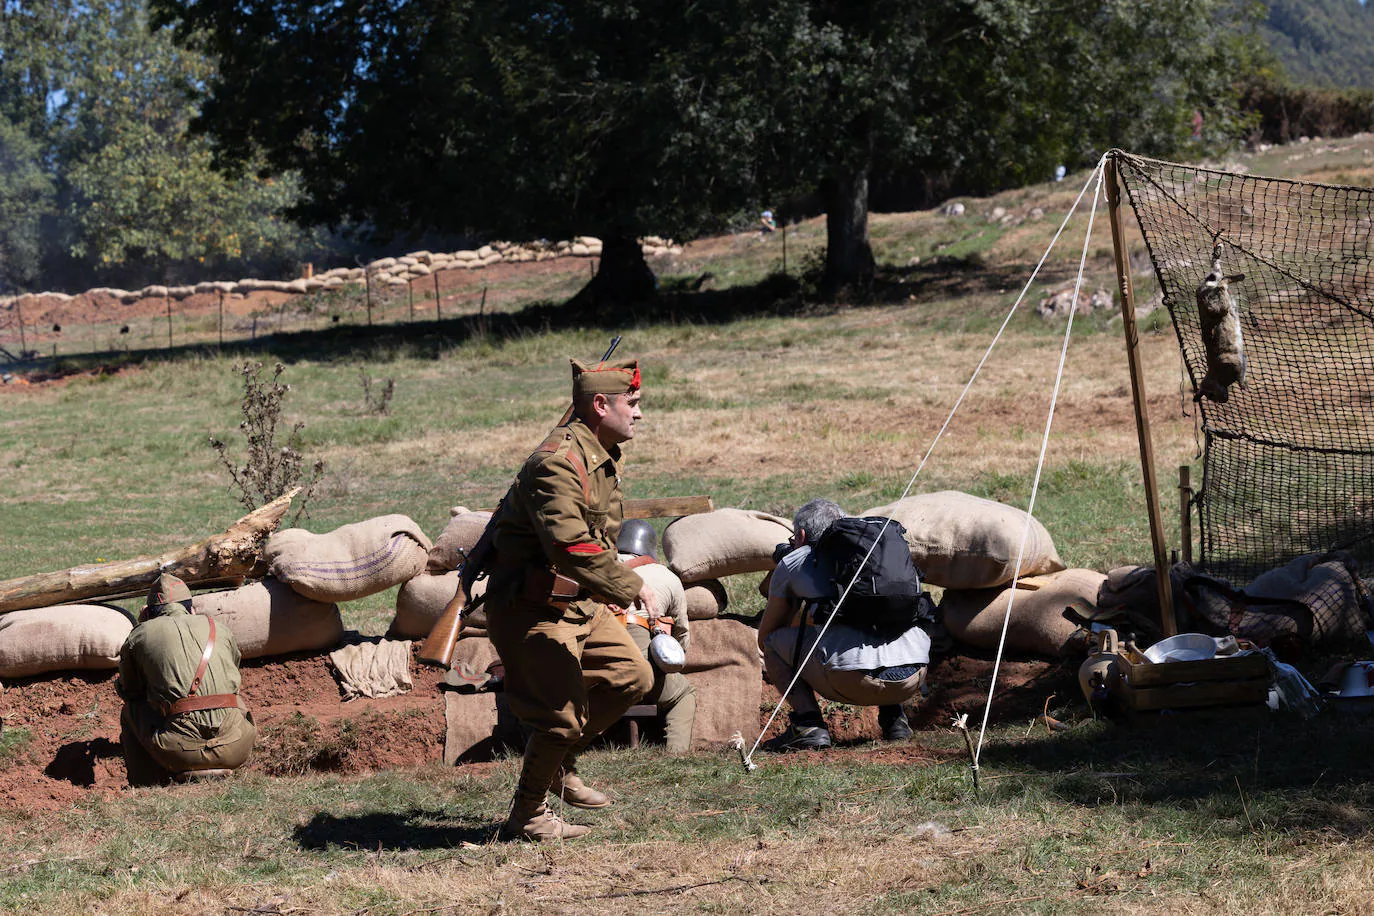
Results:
<point x="622" y="277"/>
<point x="848" y="255"/>
<point x="223" y="559"/>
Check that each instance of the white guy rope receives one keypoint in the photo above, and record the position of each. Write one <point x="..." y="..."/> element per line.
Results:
<point x="1040" y="465"/>
<point x="748" y="758"/>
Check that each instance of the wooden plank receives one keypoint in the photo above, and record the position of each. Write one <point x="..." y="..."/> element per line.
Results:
<point x="667" y="506"/>
<point x="1212" y="669"/>
<point x="1187" y="696"/>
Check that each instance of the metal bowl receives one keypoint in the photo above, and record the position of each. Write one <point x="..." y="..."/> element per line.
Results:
<point x="1185" y="647"/>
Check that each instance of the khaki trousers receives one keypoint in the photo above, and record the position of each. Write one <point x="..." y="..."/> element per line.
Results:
<point x="153" y="752"/>
<point x="569" y="676"/>
<point x="674" y="696"/>
<point x="856" y="688"/>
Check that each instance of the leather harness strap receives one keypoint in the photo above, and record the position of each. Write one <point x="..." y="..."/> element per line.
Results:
<point x="191" y="702"/>
<point x="636" y="562"/>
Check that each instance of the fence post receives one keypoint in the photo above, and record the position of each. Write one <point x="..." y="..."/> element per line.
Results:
<point x="367" y="282"/>
<point x="19" y="313"/>
<point x="410" y="294"/>
<point x="437" y="315"/>
<point x="221" y="319"/>
<point x="168" y="300"/>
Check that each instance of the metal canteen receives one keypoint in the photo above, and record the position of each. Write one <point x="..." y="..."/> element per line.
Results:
<point x="1105" y="662"/>
<point x="667" y="653"/>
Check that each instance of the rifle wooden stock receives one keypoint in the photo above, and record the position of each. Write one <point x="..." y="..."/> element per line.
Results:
<point x="437" y="648"/>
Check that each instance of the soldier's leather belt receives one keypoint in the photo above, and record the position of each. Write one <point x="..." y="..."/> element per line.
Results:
<point x="195" y="704"/>
<point x="548" y="587"/>
<point x="630" y="618"/>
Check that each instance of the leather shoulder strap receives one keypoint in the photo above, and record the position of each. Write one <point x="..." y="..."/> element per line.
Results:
<point x="581" y="470"/>
<point x="636" y="562"/>
<point x="204" y="659"/>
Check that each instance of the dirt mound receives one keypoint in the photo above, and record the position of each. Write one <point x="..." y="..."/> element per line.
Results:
<point x="302" y="725"/>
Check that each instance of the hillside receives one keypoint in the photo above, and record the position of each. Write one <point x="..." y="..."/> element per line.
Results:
<point x="1323" y="42"/>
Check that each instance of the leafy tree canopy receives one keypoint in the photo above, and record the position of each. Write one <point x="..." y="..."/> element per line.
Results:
<point x="531" y="118"/>
<point x="1323" y="42"/>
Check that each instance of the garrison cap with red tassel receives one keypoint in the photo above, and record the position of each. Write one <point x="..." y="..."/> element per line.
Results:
<point x="605" y="378"/>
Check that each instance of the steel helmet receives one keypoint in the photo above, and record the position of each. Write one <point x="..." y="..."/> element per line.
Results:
<point x="637" y="538"/>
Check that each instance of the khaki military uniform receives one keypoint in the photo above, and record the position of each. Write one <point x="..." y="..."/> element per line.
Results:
<point x="571" y="668"/>
<point x="157" y="664"/>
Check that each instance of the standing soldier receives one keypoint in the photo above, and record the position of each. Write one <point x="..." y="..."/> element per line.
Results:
<point x="571" y="668"/>
<point x="179" y="678"/>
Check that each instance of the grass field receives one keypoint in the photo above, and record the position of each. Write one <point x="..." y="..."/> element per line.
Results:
<point x="762" y="399"/>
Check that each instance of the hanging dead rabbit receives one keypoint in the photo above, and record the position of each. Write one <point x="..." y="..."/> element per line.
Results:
<point x="1221" y="336"/>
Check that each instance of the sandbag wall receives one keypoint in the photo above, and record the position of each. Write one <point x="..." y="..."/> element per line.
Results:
<point x="383" y="272"/>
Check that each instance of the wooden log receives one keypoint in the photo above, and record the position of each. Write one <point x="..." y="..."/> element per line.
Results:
<point x="228" y="556"/>
<point x="667" y="506"/>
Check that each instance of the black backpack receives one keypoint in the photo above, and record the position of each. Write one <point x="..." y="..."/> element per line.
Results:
<point x="887" y="597"/>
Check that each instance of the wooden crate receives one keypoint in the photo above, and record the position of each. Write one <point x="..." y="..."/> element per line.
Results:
<point x="1188" y="685"/>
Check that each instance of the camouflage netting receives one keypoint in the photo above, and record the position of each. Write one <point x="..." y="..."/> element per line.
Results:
<point x="1288" y="421"/>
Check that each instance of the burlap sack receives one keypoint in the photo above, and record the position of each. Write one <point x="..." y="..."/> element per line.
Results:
<point x="350" y="562"/>
<point x="962" y="541"/>
<point x="726" y="542"/>
<point x="1038" y="627"/>
<point x="477" y="725"/>
<point x="726" y="668"/>
<point x="73" y="637"/>
<point x="269" y="618"/>
<point x="421" y="600"/>
<point x="459" y="535"/>
<point x="705" y="599"/>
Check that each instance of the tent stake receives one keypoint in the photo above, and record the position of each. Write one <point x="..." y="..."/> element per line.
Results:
<point x="1142" y="417"/>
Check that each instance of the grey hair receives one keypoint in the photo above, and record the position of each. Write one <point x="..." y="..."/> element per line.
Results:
<point x="816" y="517"/>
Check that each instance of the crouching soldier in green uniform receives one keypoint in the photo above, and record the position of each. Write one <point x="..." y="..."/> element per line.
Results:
<point x="179" y="678"/>
<point x="571" y="668"/>
<point x="672" y="693"/>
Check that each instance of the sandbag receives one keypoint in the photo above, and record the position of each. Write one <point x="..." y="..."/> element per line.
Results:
<point x="726" y="668"/>
<point x="705" y="599"/>
<point x="967" y="542"/>
<point x="350" y="562"/>
<point x="1038" y="627"/>
<point x="726" y="542"/>
<point x="72" y="637"/>
<point x="459" y="535"/>
<point x="270" y="618"/>
<point x="421" y="600"/>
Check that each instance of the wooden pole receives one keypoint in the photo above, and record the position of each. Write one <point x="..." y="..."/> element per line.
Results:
<point x="437" y="315"/>
<point x="410" y="295"/>
<point x="784" y="248"/>
<point x="367" y="282"/>
<point x="1142" y="417"/>
<point x="221" y="319"/>
<point x="1185" y="511"/>
<point x="19" y="314"/>
<point x="169" y="321"/>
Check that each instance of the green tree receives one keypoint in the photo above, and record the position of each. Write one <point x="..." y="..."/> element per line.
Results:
<point x="108" y="100"/>
<point x="534" y="117"/>
<point x="25" y="197"/>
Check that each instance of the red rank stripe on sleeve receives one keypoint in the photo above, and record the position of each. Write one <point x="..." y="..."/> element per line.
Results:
<point x="585" y="548"/>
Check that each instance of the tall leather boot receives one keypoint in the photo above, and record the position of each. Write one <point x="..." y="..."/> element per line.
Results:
<point x="530" y="818"/>
<point x="569" y="787"/>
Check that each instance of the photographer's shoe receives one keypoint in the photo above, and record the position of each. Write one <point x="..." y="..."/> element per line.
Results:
<point x="800" y="738"/>
<point x="892" y="720"/>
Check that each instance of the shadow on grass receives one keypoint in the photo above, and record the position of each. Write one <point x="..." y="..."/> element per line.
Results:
<point x="680" y="300"/>
<point x="412" y="829"/>
<point x="1294" y="775"/>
